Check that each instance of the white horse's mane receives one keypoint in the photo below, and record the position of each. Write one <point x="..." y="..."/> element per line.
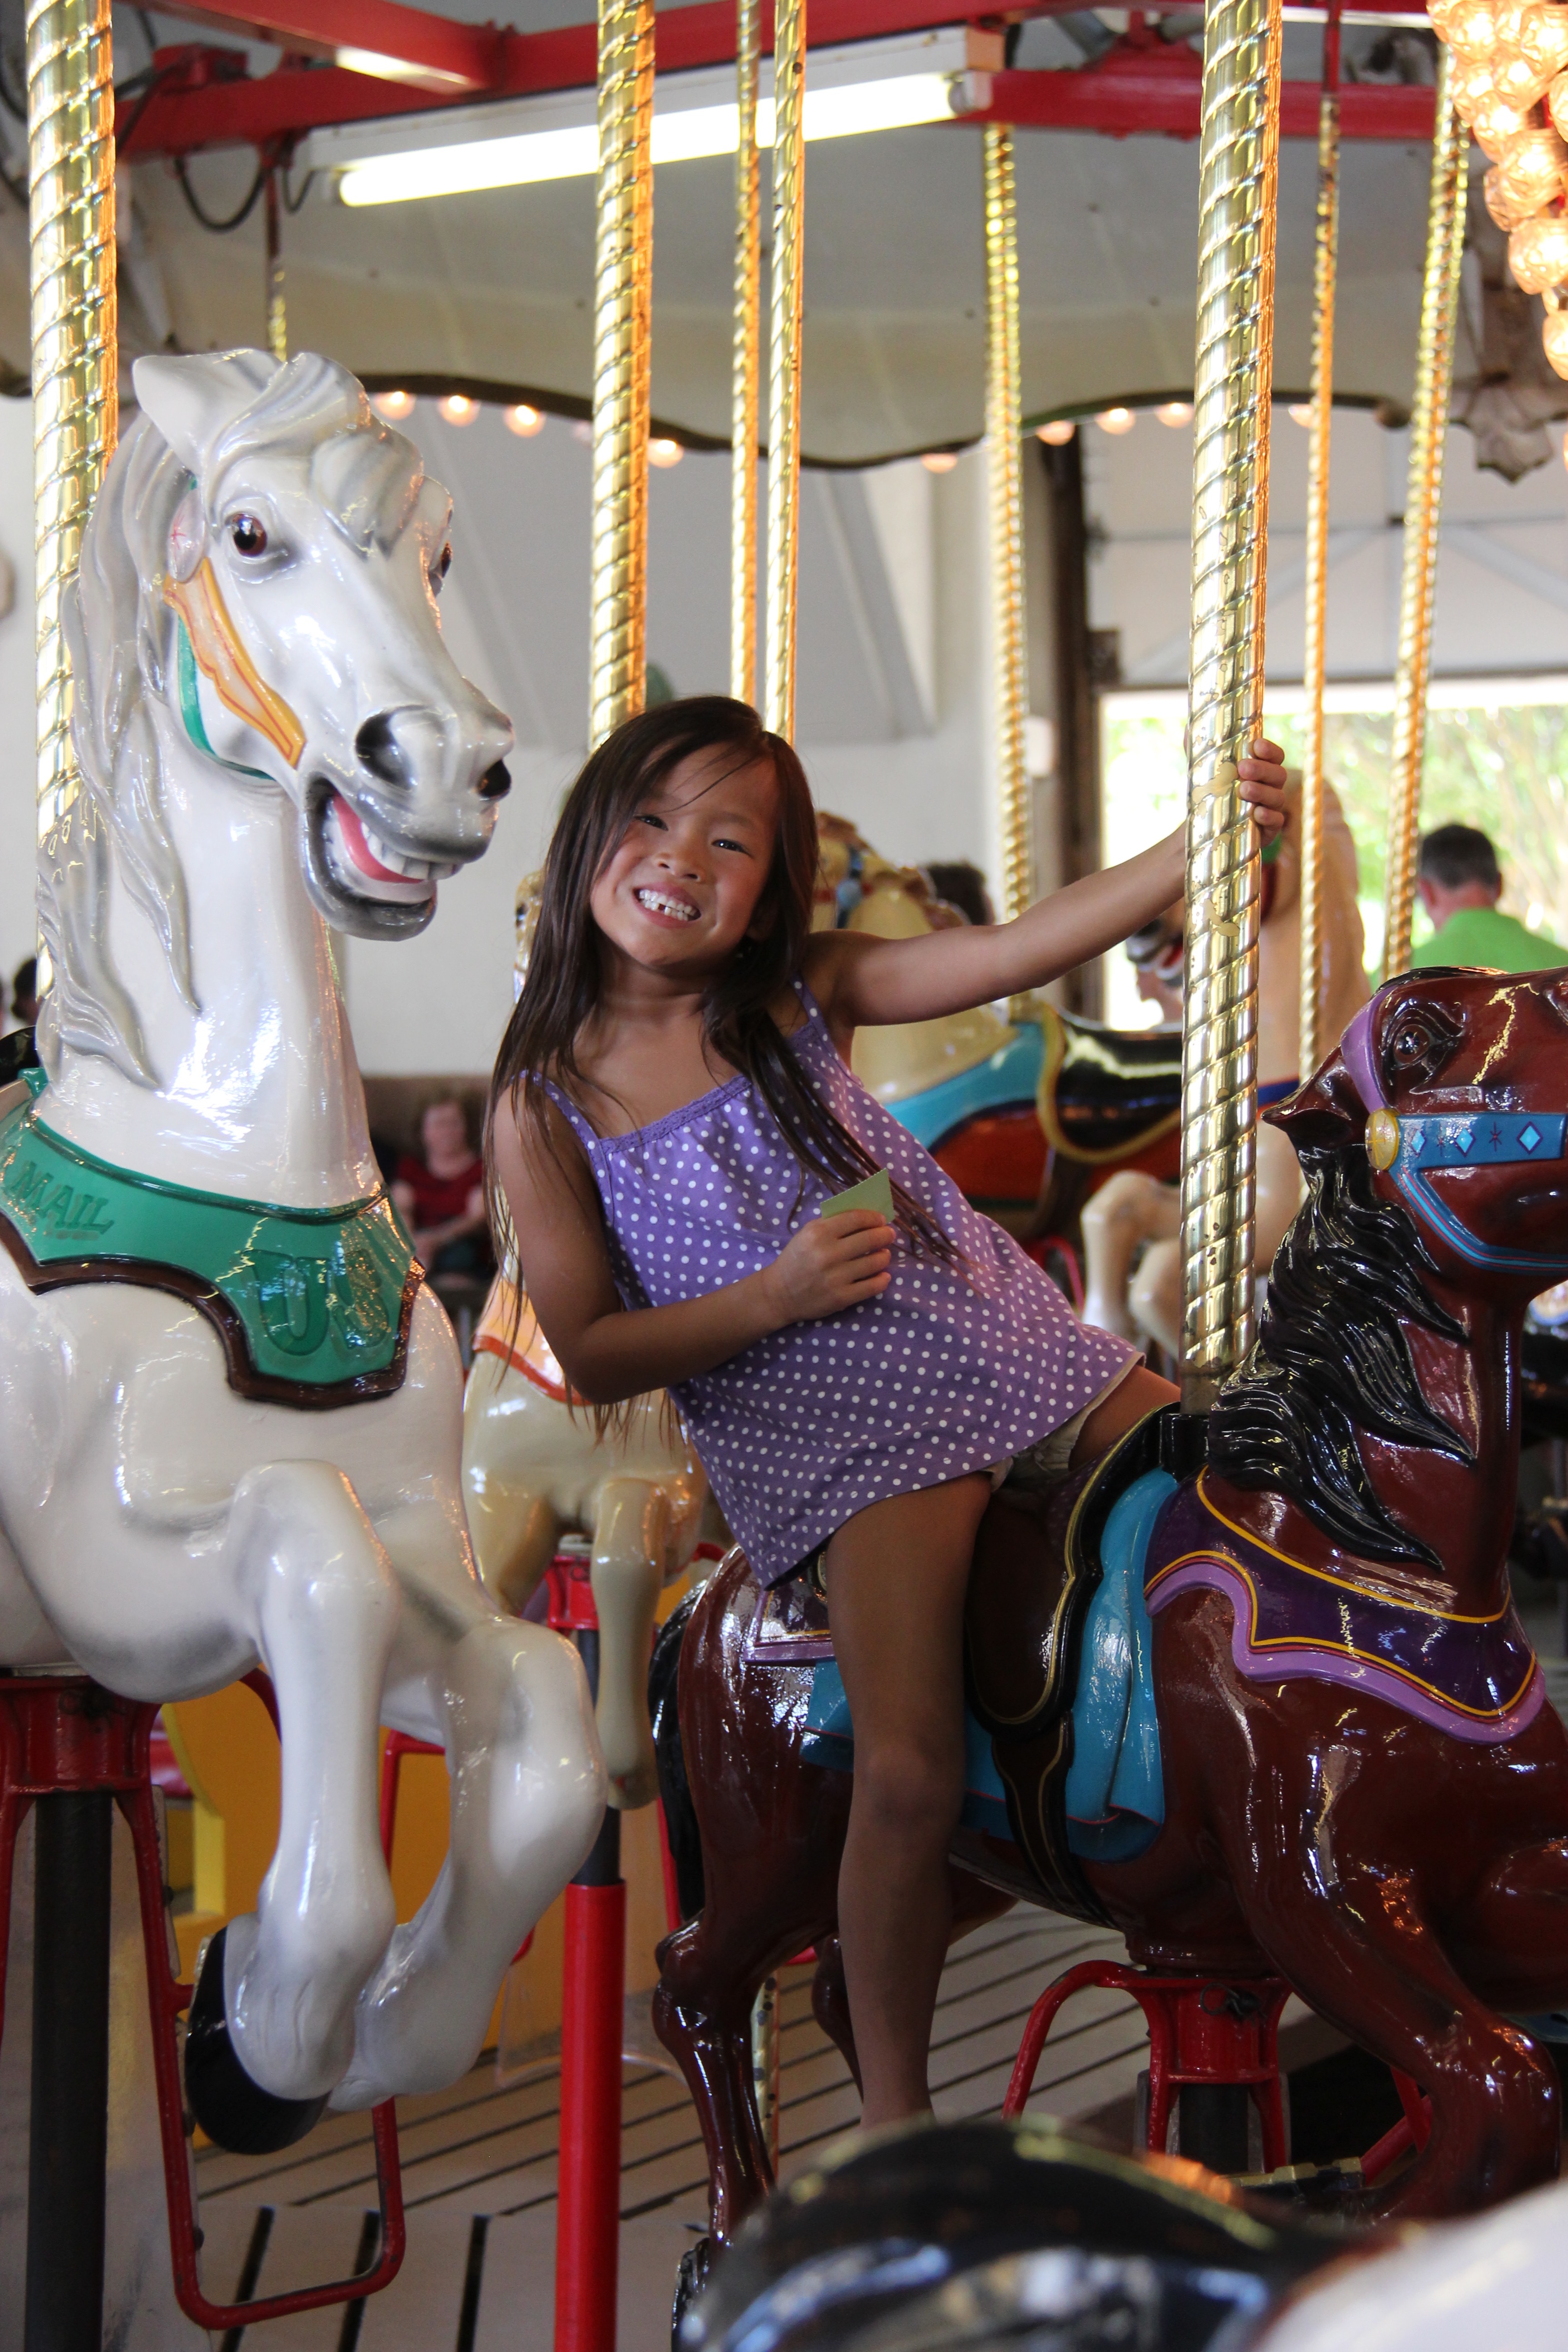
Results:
<point x="119" y="636"/>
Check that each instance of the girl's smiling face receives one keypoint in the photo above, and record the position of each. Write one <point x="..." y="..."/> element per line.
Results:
<point x="682" y="890"/>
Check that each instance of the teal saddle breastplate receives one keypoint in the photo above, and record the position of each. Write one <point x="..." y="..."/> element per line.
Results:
<point x="312" y="1305"/>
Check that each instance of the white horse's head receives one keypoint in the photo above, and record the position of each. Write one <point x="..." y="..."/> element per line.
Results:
<point x="258" y="582"/>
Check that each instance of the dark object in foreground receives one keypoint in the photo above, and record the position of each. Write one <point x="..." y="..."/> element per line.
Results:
<point x="990" y="2233"/>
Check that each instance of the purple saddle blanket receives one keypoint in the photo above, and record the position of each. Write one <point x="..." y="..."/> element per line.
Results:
<point x="1476" y="1678"/>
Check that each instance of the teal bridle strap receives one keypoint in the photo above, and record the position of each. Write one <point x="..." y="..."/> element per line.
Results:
<point x="187" y="685"/>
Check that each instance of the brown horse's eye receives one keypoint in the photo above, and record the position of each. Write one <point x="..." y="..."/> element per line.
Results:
<point x="245" y="536"/>
<point x="1410" y="1044"/>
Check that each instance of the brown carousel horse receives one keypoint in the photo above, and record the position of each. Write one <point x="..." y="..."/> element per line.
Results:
<point x="1363" y="1788"/>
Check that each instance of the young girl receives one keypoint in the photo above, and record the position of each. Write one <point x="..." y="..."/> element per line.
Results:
<point x="672" y="1107"/>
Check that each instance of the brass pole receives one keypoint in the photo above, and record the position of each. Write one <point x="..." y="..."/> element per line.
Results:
<point x="744" y="384"/>
<point x="76" y="409"/>
<point x="1005" y="488"/>
<point x="277" y="306"/>
<point x="1424" y="506"/>
<point x="1323" y="277"/>
<point x="1237" y="175"/>
<point x="783" y="363"/>
<point x="618" y="658"/>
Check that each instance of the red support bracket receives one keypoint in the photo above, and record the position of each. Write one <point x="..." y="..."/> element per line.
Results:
<point x="63" y="1732"/>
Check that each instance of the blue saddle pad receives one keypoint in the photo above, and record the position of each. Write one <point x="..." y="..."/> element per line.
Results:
<point x="1115" y="1787"/>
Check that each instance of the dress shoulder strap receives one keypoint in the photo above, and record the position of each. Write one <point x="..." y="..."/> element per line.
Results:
<point x="570" y="1112"/>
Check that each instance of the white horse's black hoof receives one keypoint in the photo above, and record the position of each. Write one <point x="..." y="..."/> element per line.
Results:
<point x="696" y="2264"/>
<point x="234" y="2110"/>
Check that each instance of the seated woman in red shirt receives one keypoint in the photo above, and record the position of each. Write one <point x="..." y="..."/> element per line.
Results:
<point x="442" y="1197"/>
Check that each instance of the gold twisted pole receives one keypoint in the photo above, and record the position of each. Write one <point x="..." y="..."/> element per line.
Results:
<point x="745" y="387"/>
<point x="71" y="163"/>
<point x="1324" y="276"/>
<point x="1005" y="489"/>
<point x="618" y="658"/>
<point x="783" y="363"/>
<point x="1424" y="506"/>
<point x="1237" y="175"/>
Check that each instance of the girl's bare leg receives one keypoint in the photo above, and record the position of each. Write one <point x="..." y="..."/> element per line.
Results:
<point x="1141" y="1391"/>
<point x="896" y="1575"/>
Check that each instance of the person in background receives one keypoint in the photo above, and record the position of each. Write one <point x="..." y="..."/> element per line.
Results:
<point x="1461" y="883"/>
<point x="24" y="994"/>
<point x="959" y="883"/>
<point x="442" y="1197"/>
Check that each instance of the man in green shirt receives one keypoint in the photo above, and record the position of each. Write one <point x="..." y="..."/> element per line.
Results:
<point x="1461" y="883"/>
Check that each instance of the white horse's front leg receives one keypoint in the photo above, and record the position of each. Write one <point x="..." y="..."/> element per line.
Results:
<point x="1129" y="1209"/>
<point x="631" y="1543"/>
<point x="324" y="1606"/>
<point x="509" y="1701"/>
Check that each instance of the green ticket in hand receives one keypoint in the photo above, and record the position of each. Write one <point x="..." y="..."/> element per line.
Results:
<point x="874" y="1191"/>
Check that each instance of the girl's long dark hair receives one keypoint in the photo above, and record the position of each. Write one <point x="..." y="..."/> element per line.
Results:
<point x="565" y="968"/>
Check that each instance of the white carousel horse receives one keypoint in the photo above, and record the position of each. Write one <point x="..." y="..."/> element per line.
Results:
<point x="535" y="1469"/>
<point x="1135" y="1212"/>
<point x="242" y="1446"/>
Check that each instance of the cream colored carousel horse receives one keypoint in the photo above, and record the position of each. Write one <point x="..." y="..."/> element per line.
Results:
<point x="1135" y="1212"/>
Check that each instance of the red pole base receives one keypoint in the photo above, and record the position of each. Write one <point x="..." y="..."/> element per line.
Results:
<point x="588" y="2226"/>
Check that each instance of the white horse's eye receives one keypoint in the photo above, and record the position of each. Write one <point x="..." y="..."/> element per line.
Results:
<point x="246" y="536"/>
<point x="442" y="565"/>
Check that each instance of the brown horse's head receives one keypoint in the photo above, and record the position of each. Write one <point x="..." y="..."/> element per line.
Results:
<point x="1455" y="1087"/>
<point x="1433" y="1145"/>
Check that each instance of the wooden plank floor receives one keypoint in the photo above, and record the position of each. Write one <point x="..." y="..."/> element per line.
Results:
<point x="479" y="2162"/>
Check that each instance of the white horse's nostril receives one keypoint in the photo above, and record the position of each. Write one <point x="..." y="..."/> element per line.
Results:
<point x="378" y="749"/>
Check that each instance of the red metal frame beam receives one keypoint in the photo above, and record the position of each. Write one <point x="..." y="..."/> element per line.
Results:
<point x="206" y="100"/>
<point x="433" y="52"/>
<point x="1122" y="105"/>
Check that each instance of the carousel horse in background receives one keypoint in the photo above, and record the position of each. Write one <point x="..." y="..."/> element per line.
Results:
<point x="1135" y="1210"/>
<point x="1250" y="1690"/>
<point x="229" y="1406"/>
<point x="536" y="1467"/>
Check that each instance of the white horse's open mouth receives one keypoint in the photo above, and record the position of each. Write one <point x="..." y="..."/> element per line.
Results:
<point x="360" y="879"/>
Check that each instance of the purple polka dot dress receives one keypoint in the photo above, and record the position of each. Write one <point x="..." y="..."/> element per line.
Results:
<point x="947" y="1370"/>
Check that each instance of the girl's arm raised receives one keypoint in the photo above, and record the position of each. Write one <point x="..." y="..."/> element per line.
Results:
<point x="862" y="982"/>
<point x="608" y="1352"/>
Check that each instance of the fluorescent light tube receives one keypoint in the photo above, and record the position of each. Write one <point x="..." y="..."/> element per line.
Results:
<point x="848" y="91"/>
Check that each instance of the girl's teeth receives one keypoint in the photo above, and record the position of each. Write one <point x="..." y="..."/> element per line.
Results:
<point x="663" y="906"/>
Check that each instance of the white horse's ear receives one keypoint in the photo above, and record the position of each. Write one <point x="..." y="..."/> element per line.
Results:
<point x="189" y="400"/>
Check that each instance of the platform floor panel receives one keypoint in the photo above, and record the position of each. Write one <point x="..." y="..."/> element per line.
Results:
<point x="479" y="2161"/>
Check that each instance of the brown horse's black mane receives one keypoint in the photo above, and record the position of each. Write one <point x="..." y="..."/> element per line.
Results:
<point x="1330" y="1360"/>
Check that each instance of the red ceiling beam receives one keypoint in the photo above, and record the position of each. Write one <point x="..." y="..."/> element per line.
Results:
<point x="1124" y="104"/>
<point x="207" y="98"/>
<point x="431" y="53"/>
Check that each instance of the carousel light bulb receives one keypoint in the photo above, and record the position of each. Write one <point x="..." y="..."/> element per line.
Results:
<point x="1174" y="411"/>
<point x="1544" y="38"/>
<point x="393" y="405"/>
<point x="1555" y="340"/>
<point x="1557" y="100"/>
<point x="1538" y="253"/>
<point x="1439" y="11"/>
<point x="457" y="408"/>
<point x="1472" y="32"/>
<point x="1530" y="169"/>
<point x="939" y="461"/>
<point x="1470" y="86"/>
<point x="523" y="421"/>
<point x="1057" y="433"/>
<point x="1506" y="18"/>
<point x="1507" y="215"/>
<point x="1496" y="124"/>
<point x="1300" y="412"/>
<point x="1116" y="420"/>
<point x="1516" y="80"/>
<point x="661" y="452"/>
